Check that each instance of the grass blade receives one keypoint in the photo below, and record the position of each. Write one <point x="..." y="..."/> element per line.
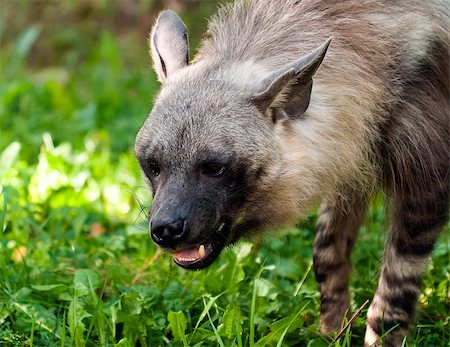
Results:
<point x="300" y="284"/>
<point x="4" y="212"/>
<point x="208" y="306"/>
<point x="216" y="333"/>
<point x="280" y="341"/>
<point x="94" y="316"/>
<point x="253" y="306"/>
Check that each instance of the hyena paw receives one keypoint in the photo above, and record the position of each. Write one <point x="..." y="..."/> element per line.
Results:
<point x="389" y="339"/>
<point x="330" y="325"/>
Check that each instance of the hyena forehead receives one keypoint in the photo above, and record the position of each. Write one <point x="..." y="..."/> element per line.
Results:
<point x="213" y="87"/>
<point x="194" y="119"/>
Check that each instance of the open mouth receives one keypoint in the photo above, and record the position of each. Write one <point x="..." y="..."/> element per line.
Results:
<point x="201" y="255"/>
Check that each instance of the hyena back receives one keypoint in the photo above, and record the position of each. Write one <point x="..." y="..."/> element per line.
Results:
<point x="247" y="137"/>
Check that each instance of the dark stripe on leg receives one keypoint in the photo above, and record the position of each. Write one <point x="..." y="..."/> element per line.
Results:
<point x="382" y="326"/>
<point x="405" y="302"/>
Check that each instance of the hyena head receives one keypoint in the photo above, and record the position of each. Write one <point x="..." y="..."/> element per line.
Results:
<point x="209" y="147"/>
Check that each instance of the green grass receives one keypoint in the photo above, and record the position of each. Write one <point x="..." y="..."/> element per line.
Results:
<point x="77" y="265"/>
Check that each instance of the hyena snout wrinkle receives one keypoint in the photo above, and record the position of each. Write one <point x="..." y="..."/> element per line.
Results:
<point x="286" y="106"/>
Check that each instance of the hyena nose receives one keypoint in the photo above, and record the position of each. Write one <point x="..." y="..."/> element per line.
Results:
<point x="168" y="234"/>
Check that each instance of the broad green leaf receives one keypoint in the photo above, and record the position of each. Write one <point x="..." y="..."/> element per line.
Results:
<point x="9" y="156"/>
<point x="47" y="287"/>
<point x="199" y="335"/>
<point x="131" y="305"/>
<point x="23" y="294"/>
<point x="4" y="313"/>
<point x="178" y="324"/>
<point x="231" y="317"/>
<point x="86" y="282"/>
<point x="75" y="317"/>
<point x="65" y="296"/>
<point x="45" y="318"/>
<point x="264" y="288"/>
<point x="279" y="328"/>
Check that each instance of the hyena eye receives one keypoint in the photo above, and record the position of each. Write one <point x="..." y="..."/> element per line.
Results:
<point x="212" y="169"/>
<point x="154" y="167"/>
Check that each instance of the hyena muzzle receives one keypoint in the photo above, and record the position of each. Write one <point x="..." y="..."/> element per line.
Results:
<point x="272" y="117"/>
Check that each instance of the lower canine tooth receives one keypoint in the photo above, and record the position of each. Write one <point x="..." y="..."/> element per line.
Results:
<point x="201" y="251"/>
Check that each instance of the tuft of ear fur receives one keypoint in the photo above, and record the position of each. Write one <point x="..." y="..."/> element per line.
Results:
<point x="169" y="45"/>
<point x="287" y="92"/>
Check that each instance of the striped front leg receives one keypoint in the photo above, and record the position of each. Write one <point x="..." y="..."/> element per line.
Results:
<point x="336" y="231"/>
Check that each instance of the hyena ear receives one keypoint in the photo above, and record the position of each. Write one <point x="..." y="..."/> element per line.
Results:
<point x="286" y="93"/>
<point x="169" y="45"/>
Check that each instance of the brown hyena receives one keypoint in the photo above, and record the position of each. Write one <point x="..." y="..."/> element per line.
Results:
<point x="272" y="117"/>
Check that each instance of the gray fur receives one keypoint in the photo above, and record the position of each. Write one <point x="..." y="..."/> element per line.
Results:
<point x="375" y="118"/>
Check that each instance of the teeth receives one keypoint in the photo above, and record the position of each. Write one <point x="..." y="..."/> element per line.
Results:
<point x="187" y="259"/>
<point x="201" y="251"/>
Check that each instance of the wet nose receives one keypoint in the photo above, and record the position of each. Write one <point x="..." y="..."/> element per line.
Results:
<point x="168" y="234"/>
